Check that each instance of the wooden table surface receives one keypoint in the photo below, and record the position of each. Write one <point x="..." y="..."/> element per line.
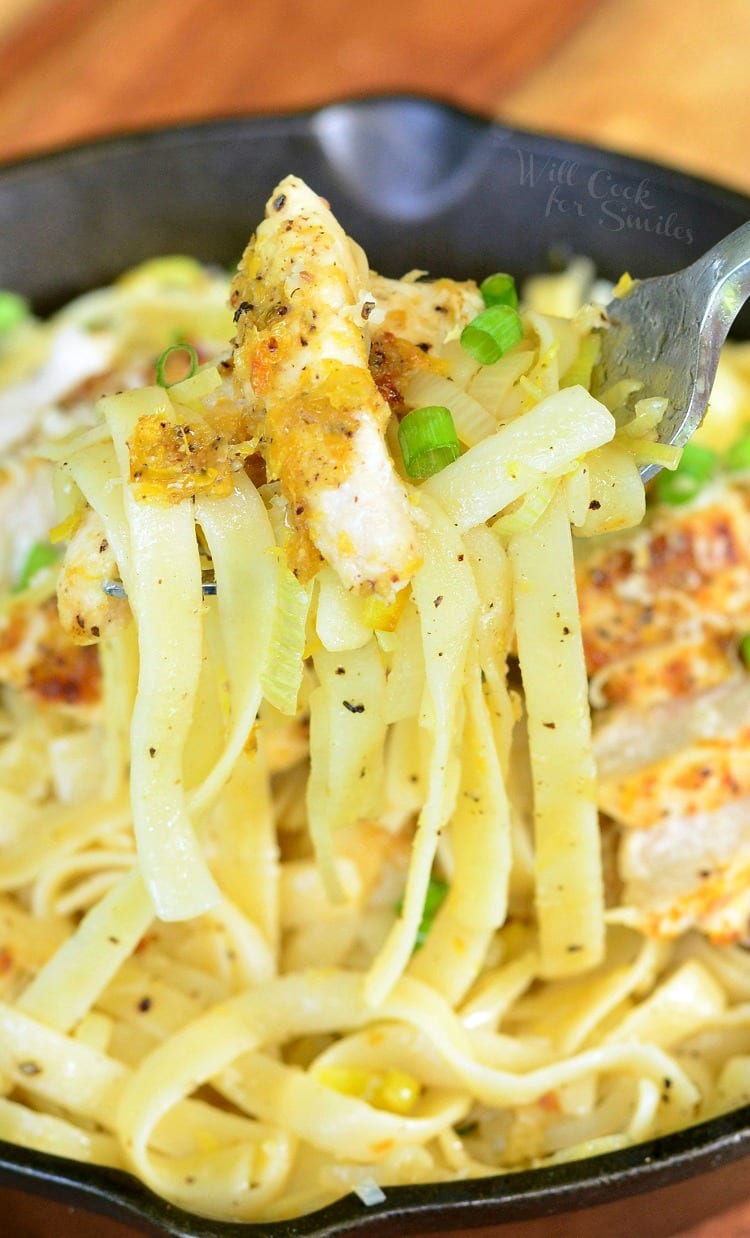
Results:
<point x="654" y="77"/>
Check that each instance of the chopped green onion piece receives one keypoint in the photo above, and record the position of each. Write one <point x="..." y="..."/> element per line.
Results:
<point x="738" y="455"/>
<point x="492" y="333"/>
<point x="499" y="289"/>
<point x="696" y="467"/>
<point x="436" y="892"/>
<point x="161" y="364"/>
<point x="41" y="555"/>
<point x="745" y="649"/>
<point x="13" y="309"/>
<point x="428" y="440"/>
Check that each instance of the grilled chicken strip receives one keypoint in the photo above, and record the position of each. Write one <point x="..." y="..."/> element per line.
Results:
<point x="662" y="613"/>
<point x="39" y="660"/>
<point x="676" y="779"/>
<point x="423" y="312"/>
<point x="661" y="609"/>
<point x="301" y="304"/>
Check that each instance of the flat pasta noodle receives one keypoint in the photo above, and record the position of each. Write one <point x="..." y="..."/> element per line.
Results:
<point x="239" y="537"/>
<point x="476" y="906"/>
<point x="446" y="599"/>
<point x="501" y="468"/>
<point x="165" y="597"/>
<point x="240" y="836"/>
<point x="569" y="888"/>
<point x="69" y="985"/>
<point x="303" y="887"/>
<point x="347" y="731"/>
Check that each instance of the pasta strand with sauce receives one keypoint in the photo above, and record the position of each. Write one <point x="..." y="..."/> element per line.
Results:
<point x="308" y="876"/>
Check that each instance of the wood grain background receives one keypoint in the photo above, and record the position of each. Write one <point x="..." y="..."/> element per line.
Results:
<point x="665" y="78"/>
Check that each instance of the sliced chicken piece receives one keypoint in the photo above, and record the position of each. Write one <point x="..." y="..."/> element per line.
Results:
<point x="660" y="608"/>
<point x="412" y="320"/>
<point x="700" y="778"/>
<point x="38" y="659"/>
<point x="670" y="670"/>
<point x="301" y="302"/>
<point x="74" y="356"/>
<point x="424" y="312"/>
<point x="86" y="612"/>
<point x="691" y="872"/>
<point x="676" y="781"/>
<point x="393" y="363"/>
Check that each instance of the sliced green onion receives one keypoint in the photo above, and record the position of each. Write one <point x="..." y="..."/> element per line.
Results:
<point x="745" y="649"/>
<point x="161" y="364"/>
<point x="13" y="309"/>
<point x="492" y="333"/>
<point x="40" y="556"/>
<point x="696" y="467"/>
<point x="499" y="289"/>
<point x="436" y="892"/>
<point x="737" y="457"/>
<point x="428" y="440"/>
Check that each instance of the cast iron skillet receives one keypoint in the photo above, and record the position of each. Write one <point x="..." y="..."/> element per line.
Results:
<point x="419" y="184"/>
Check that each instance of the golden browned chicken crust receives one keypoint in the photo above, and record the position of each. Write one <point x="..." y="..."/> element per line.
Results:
<point x="663" y="611"/>
<point x="39" y="659"/>
<point x="660" y="609"/>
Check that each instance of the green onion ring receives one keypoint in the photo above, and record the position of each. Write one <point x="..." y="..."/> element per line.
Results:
<point x="161" y="363"/>
<point x="492" y="334"/>
<point x="428" y="440"/>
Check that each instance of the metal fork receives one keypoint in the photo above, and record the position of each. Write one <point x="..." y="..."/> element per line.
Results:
<point x="668" y="332"/>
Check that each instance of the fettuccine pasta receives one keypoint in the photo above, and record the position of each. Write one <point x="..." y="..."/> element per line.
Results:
<point x="316" y="875"/>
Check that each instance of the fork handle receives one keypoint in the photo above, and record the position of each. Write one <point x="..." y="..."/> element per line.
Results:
<point x="727" y="267"/>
